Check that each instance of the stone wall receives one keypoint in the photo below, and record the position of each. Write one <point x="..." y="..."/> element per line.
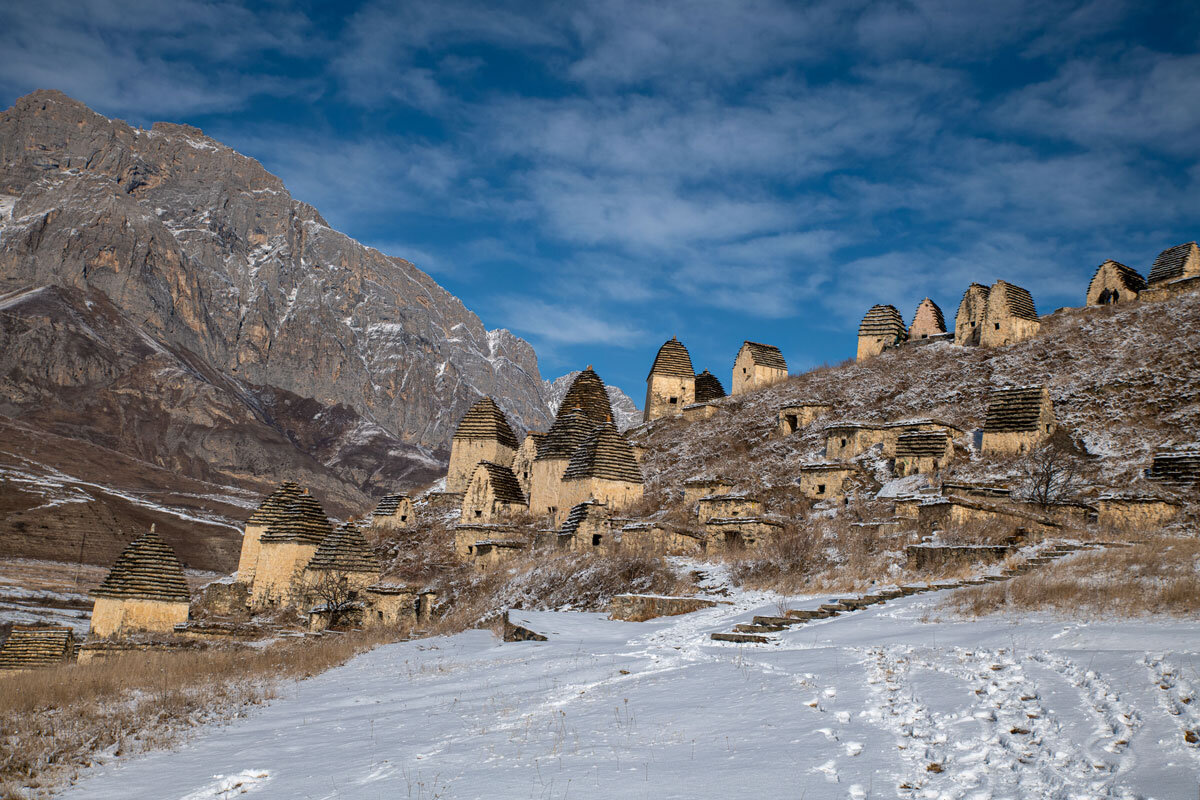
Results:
<point x="649" y="539"/>
<point x="724" y="535"/>
<point x="695" y="489"/>
<point x="1007" y="330"/>
<point x="798" y="417"/>
<point x="748" y="376"/>
<point x="641" y="607"/>
<point x="825" y="482"/>
<point x="466" y="453"/>
<point x="522" y="465"/>
<point x="248" y="560"/>
<point x="279" y="575"/>
<point x="727" y="506"/>
<point x="666" y="395"/>
<point x="389" y="609"/>
<point x="112" y="616"/>
<point x="697" y="411"/>
<point x="941" y="558"/>
<point x="546" y="493"/>
<point x="1134" y="514"/>
<point x="616" y="494"/>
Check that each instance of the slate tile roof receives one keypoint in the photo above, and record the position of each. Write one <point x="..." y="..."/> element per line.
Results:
<point x="931" y="310"/>
<point x="883" y="320"/>
<point x="36" y="646"/>
<point x="922" y="444"/>
<point x="485" y="420"/>
<point x="1130" y="278"/>
<point x="389" y="505"/>
<point x="1176" y="466"/>
<point x="146" y="570"/>
<point x="303" y="521"/>
<point x="505" y="486"/>
<point x="1017" y="301"/>
<point x="673" y="360"/>
<point x="708" y="387"/>
<point x="765" y="355"/>
<point x="1171" y="262"/>
<point x="1013" y="410"/>
<point x="566" y="434"/>
<point x="604" y="454"/>
<point x="275" y="503"/>
<point x="582" y="512"/>
<point x="345" y="550"/>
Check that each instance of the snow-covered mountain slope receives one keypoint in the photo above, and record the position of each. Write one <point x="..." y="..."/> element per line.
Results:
<point x="885" y="702"/>
<point x="624" y="409"/>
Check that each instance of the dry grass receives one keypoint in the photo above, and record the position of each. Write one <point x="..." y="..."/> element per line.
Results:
<point x="53" y="722"/>
<point x="1160" y="576"/>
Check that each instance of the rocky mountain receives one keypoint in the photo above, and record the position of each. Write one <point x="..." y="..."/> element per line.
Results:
<point x="627" y="414"/>
<point x="165" y="299"/>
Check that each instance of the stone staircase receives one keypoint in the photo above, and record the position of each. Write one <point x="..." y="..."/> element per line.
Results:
<point x="763" y="628"/>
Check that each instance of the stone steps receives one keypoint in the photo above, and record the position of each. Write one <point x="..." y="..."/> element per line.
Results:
<point x="746" y="627"/>
<point x="740" y="638"/>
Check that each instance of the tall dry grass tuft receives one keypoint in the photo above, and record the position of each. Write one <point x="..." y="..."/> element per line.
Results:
<point x="54" y="721"/>
<point x="1159" y="576"/>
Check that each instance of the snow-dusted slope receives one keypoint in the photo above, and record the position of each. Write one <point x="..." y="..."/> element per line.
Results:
<point x="624" y="409"/>
<point x="880" y="703"/>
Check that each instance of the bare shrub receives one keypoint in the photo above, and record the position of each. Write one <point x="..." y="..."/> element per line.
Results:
<point x="336" y="594"/>
<point x="1053" y="473"/>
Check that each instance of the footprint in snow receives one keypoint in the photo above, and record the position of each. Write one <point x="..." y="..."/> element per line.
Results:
<point x="224" y="787"/>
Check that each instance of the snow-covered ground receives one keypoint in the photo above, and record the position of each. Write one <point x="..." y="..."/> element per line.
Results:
<point x="891" y="701"/>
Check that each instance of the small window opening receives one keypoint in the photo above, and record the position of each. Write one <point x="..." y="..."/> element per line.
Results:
<point x="1047" y="429"/>
<point x="674" y="400"/>
<point x="596" y="537"/>
<point x="997" y="326"/>
<point x="404" y="517"/>
<point x="793" y="423"/>
<point x="478" y="512"/>
<point x="743" y="370"/>
<point x="820" y="488"/>
<point x="843" y="442"/>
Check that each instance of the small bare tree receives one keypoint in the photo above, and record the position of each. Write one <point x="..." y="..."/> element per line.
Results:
<point x="335" y="595"/>
<point x="1052" y="473"/>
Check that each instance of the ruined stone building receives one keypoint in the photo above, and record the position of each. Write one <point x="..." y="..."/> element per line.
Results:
<point x="800" y="415"/>
<point x="972" y="313"/>
<point x="144" y="591"/>
<point x="342" y="567"/>
<point x="394" y="511"/>
<point x="585" y="406"/>
<point x="604" y="468"/>
<point x="1011" y="316"/>
<point x="727" y="506"/>
<point x="270" y="510"/>
<point x="1176" y="269"/>
<point x="1177" y="467"/>
<point x="1114" y="283"/>
<point x="588" y="526"/>
<point x="845" y="440"/>
<point x="696" y="488"/>
<point x="656" y="538"/>
<point x="825" y="480"/>
<point x="483" y="435"/>
<point x="36" y="647"/>
<point x="671" y="384"/>
<point x="923" y="452"/>
<point x="285" y="549"/>
<point x="928" y="321"/>
<point x="708" y="387"/>
<point x="493" y="493"/>
<point x="735" y="533"/>
<point x="522" y="465"/>
<point x="757" y="366"/>
<point x="1017" y="420"/>
<point x="881" y="328"/>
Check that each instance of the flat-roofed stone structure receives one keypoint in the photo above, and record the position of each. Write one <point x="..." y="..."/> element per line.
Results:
<point x="467" y="534"/>
<point x="923" y="452"/>
<point x="825" y="480"/>
<point x="881" y="328"/>
<point x="845" y="440"/>
<point x="1132" y="512"/>
<point x="604" y="468"/>
<point x="395" y="511"/>
<point x="1017" y="420"/>
<point x="1177" y="467"/>
<point x="522" y="465"/>
<point x="585" y="406"/>
<point x="696" y="411"/>
<point x="800" y="415"/>
<point x="1011" y="316"/>
<point x="268" y="511"/>
<point x="928" y="321"/>
<point x="982" y="491"/>
<point x="287" y="547"/>
<point x="1114" y="283"/>
<point x="708" y="387"/>
<point x="588" y="526"/>
<point x="144" y="591"/>
<point x="727" y="506"/>
<point x="1175" y="269"/>
<point x="483" y="435"/>
<point x="343" y="555"/>
<point x="695" y="488"/>
<point x="31" y="647"/>
<point x="671" y="384"/>
<point x="491" y="553"/>
<point x="757" y="366"/>
<point x="971" y="316"/>
<point x="724" y="535"/>
<point x="942" y="513"/>
<point x="493" y="493"/>
<point x="390" y="605"/>
<point x="652" y="538"/>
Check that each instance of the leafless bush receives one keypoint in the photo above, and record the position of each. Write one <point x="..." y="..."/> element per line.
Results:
<point x="1052" y="474"/>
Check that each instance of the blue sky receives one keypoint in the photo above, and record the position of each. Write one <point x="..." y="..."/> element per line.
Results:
<point x="600" y="176"/>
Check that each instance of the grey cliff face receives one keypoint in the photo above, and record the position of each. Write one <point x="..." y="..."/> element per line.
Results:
<point x="165" y="296"/>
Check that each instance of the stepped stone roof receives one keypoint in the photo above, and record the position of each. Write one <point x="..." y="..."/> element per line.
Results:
<point x="345" y="550"/>
<point x="708" y="387"/>
<point x="1130" y="278"/>
<point x="1017" y="301"/>
<point x="34" y="646"/>
<point x="928" y="318"/>
<point x="587" y="393"/>
<point x="504" y="483"/>
<point x="673" y="360"/>
<point x="883" y="320"/>
<point x="566" y="434"/>
<point x="303" y="521"/>
<point x="389" y="505"/>
<point x="485" y="420"/>
<point x="275" y="503"/>
<point x="580" y="513"/>
<point x="918" y="444"/>
<point x="1013" y="410"/>
<point x="765" y="355"/>
<point x="146" y="570"/>
<point x="1176" y="466"/>
<point x="1171" y="262"/>
<point x="604" y="454"/>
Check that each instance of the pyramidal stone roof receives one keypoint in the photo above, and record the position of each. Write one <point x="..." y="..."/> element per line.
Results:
<point x="505" y="486"/>
<point x="1017" y="301"/>
<point x="1171" y="262"/>
<point x="765" y="355"/>
<point x="604" y="454"/>
<point x="581" y="513"/>
<point x="302" y="522"/>
<point x="1013" y="410"/>
<point x="883" y="320"/>
<point x="918" y="444"/>
<point x="345" y="550"/>
<point x="389" y="505"/>
<point x="1176" y="466"/>
<point x="708" y="387"/>
<point x="275" y="503"/>
<point x="485" y="420"/>
<point x="588" y="395"/>
<point x="672" y="360"/>
<point x="147" y="570"/>
<point x="1129" y="277"/>
<point x="566" y="434"/>
<point x="928" y="318"/>
<point x="36" y="646"/>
